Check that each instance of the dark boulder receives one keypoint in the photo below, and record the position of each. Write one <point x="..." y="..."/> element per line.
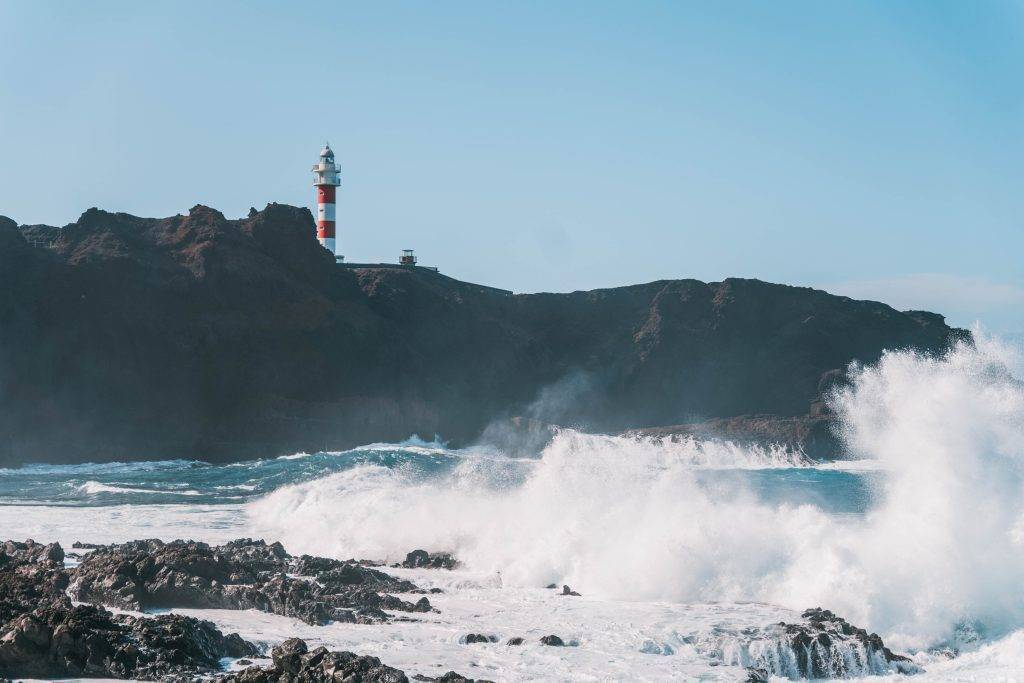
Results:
<point x="552" y="640"/>
<point x="450" y="677"/>
<point x="821" y="647"/>
<point x="288" y="655"/>
<point x="814" y="644"/>
<point x="422" y="559"/>
<point x="294" y="663"/>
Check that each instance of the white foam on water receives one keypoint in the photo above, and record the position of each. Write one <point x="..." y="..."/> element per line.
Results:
<point x="100" y="468"/>
<point x="95" y="487"/>
<point x="66" y="524"/>
<point x="627" y="519"/>
<point x="611" y="640"/>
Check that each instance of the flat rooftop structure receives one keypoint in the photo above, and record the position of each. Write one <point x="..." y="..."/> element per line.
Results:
<point x="394" y="266"/>
<point x="426" y="270"/>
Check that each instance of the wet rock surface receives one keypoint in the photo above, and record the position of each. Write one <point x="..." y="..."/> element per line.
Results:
<point x="450" y="677"/>
<point x="295" y="663"/>
<point x="819" y="643"/>
<point x="421" y="559"/>
<point x="824" y="646"/>
<point x="242" y="574"/>
<point x="43" y="634"/>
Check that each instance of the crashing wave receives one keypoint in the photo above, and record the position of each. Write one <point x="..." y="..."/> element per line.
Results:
<point x="826" y="646"/>
<point x="942" y="541"/>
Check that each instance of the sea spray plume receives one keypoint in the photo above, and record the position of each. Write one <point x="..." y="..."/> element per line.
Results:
<point x="944" y="546"/>
<point x="556" y="406"/>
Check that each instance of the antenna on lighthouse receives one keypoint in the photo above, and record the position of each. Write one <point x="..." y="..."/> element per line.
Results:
<point x="326" y="177"/>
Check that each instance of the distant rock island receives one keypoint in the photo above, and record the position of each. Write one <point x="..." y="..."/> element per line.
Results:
<point x="125" y="338"/>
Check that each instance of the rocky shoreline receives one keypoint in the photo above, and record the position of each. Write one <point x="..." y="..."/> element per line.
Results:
<point x="76" y="615"/>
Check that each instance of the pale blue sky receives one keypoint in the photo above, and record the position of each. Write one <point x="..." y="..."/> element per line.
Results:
<point x="871" y="148"/>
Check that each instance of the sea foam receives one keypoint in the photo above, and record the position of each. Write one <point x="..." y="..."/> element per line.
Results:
<point x="941" y="549"/>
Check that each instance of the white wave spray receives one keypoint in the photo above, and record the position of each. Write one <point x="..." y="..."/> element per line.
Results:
<point x="629" y="518"/>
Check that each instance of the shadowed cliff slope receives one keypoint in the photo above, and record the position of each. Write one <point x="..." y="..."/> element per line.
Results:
<point x="201" y="337"/>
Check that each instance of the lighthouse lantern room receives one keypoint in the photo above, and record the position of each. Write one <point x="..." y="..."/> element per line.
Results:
<point x="326" y="177"/>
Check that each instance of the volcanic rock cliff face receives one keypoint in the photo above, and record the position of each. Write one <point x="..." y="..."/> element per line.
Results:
<point x="197" y="336"/>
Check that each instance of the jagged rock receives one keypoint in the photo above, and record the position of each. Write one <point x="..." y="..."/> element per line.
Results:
<point x="450" y="677"/>
<point x="551" y="586"/>
<point x="288" y="655"/>
<point x="823" y="646"/>
<point x="758" y="675"/>
<point x="29" y="579"/>
<point x="242" y="574"/>
<point x="568" y="591"/>
<point x="32" y="552"/>
<point x="818" y="648"/>
<point x="294" y="663"/>
<point x="552" y="640"/>
<point x="471" y="638"/>
<point x="43" y="635"/>
<point x="422" y="559"/>
<point x="515" y="640"/>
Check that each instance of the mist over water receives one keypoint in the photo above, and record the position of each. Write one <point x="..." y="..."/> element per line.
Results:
<point x="930" y="542"/>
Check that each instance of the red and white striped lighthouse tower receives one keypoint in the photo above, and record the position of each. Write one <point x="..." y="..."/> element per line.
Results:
<point x="326" y="177"/>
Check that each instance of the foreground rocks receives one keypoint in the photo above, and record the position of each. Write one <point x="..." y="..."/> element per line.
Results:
<point x="242" y="574"/>
<point x="293" y="662"/>
<point x="44" y="635"/>
<point x="825" y="646"/>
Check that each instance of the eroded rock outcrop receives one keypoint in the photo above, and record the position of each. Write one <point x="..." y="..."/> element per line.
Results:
<point x="295" y="663"/>
<point x="44" y="635"/>
<point x="822" y="646"/>
<point x="242" y="574"/>
<point x="828" y="646"/>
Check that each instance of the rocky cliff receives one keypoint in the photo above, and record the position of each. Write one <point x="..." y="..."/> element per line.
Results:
<point x="201" y="337"/>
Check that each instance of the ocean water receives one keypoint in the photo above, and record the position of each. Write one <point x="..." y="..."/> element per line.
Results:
<point x="682" y="550"/>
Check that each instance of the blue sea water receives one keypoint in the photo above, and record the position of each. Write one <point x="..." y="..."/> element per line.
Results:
<point x="194" y="482"/>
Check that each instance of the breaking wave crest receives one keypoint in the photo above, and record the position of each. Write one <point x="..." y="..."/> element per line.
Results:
<point x="940" y="548"/>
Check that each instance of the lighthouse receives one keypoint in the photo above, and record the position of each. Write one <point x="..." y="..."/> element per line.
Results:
<point x="326" y="177"/>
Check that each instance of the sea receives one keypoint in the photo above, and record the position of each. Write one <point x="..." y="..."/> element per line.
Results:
<point x="685" y="552"/>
